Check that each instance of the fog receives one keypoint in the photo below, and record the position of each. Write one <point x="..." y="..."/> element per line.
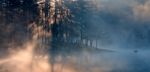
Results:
<point x="121" y="28"/>
<point x="120" y="23"/>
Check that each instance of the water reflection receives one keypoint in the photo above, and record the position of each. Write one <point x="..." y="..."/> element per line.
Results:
<point x="118" y="61"/>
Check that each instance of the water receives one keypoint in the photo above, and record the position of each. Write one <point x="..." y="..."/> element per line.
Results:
<point x="117" y="61"/>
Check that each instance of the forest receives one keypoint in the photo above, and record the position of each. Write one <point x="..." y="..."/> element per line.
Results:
<point x="63" y="19"/>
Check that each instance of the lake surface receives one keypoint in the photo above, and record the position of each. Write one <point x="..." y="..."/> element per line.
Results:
<point x="115" y="61"/>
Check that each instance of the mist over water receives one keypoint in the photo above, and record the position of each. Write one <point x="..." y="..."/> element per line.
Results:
<point x="119" y="60"/>
<point x="122" y="30"/>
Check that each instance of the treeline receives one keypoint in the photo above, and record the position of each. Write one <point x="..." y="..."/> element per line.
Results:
<point x="68" y="22"/>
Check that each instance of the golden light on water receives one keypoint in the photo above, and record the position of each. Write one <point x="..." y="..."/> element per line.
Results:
<point x="25" y="60"/>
